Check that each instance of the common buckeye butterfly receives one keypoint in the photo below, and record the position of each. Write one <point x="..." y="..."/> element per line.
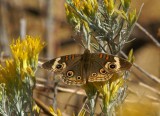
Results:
<point x="78" y="69"/>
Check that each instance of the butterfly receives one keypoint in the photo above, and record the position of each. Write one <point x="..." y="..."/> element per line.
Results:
<point x="78" y="69"/>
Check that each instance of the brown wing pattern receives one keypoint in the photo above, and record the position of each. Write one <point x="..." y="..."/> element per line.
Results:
<point x="100" y="67"/>
<point x="103" y="66"/>
<point x="98" y="73"/>
<point x="69" y="67"/>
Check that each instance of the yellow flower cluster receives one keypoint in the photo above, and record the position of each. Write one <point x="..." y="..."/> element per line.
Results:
<point x="131" y="17"/>
<point x="52" y="111"/>
<point x="7" y="73"/>
<point x="71" y="15"/>
<point x="36" y="108"/>
<point x="110" y="89"/>
<point x="25" y="53"/>
<point x="86" y="7"/>
<point x="90" y="7"/>
<point x="24" y="62"/>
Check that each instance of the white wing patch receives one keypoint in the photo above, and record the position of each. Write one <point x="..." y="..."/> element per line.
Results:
<point x="55" y="63"/>
<point x="117" y="62"/>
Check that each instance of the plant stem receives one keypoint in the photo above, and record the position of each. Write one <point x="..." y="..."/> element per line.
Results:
<point x="148" y="34"/>
<point x="92" y="106"/>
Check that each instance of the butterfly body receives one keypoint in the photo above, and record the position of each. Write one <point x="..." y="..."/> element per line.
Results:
<point x="78" y="69"/>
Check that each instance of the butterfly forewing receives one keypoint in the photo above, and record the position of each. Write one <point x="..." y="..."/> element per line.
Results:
<point x="106" y="60"/>
<point x="65" y="60"/>
<point x="69" y="67"/>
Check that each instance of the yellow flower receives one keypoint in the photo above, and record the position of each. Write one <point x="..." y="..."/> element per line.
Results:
<point x="36" y="108"/>
<point x="78" y="4"/>
<point x="25" y="53"/>
<point x="10" y="77"/>
<point x="7" y="73"/>
<point x="87" y="7"/>
<point x="18" y="75"/>
<point x="2" y="91"/>
<point x="72" y="18"/>
<point x="132" y="17"/>
<point x="90" y="7"/>
<point x="109" y="4"/>
<point x="109" y="90"/>
<point x="86" y="26"/>
<point x="24" y="63"/>
<point x="53" y="112"/>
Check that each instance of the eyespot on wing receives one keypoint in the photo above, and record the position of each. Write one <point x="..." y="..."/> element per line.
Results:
<point x="51" y="63"/>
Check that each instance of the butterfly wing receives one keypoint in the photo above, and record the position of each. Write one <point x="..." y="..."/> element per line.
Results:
<point x="75" y="68"/>
<point x="68" y="67"/>
<point x="97" y="73"/>
<point x="73" y="75"/>
<point x="103" y="66"/>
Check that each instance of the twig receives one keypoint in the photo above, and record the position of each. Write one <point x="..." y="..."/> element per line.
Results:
<point x="146" y="73"/>
<point x="142" y="70"/>
<point x="43" y="94"/>
<point x="150" y="88"/>
<point x="79" y="92"/>
<point x="23" y="24"/>
<point x="70" y="97"/>
<point x="148" y="34"/>
<point x="43" y="106"/>
<point x="147" y="96"/>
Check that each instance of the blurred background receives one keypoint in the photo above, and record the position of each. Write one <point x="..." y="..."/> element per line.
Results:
<point x="46" y="19"/>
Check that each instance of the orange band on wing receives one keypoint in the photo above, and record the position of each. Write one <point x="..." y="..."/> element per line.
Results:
<point x="107" y="57"/>
<point x="100" y="55"/>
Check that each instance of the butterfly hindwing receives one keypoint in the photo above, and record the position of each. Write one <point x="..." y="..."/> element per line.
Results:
<point x="73" y="75"/>
<point x="97" y="73"/>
